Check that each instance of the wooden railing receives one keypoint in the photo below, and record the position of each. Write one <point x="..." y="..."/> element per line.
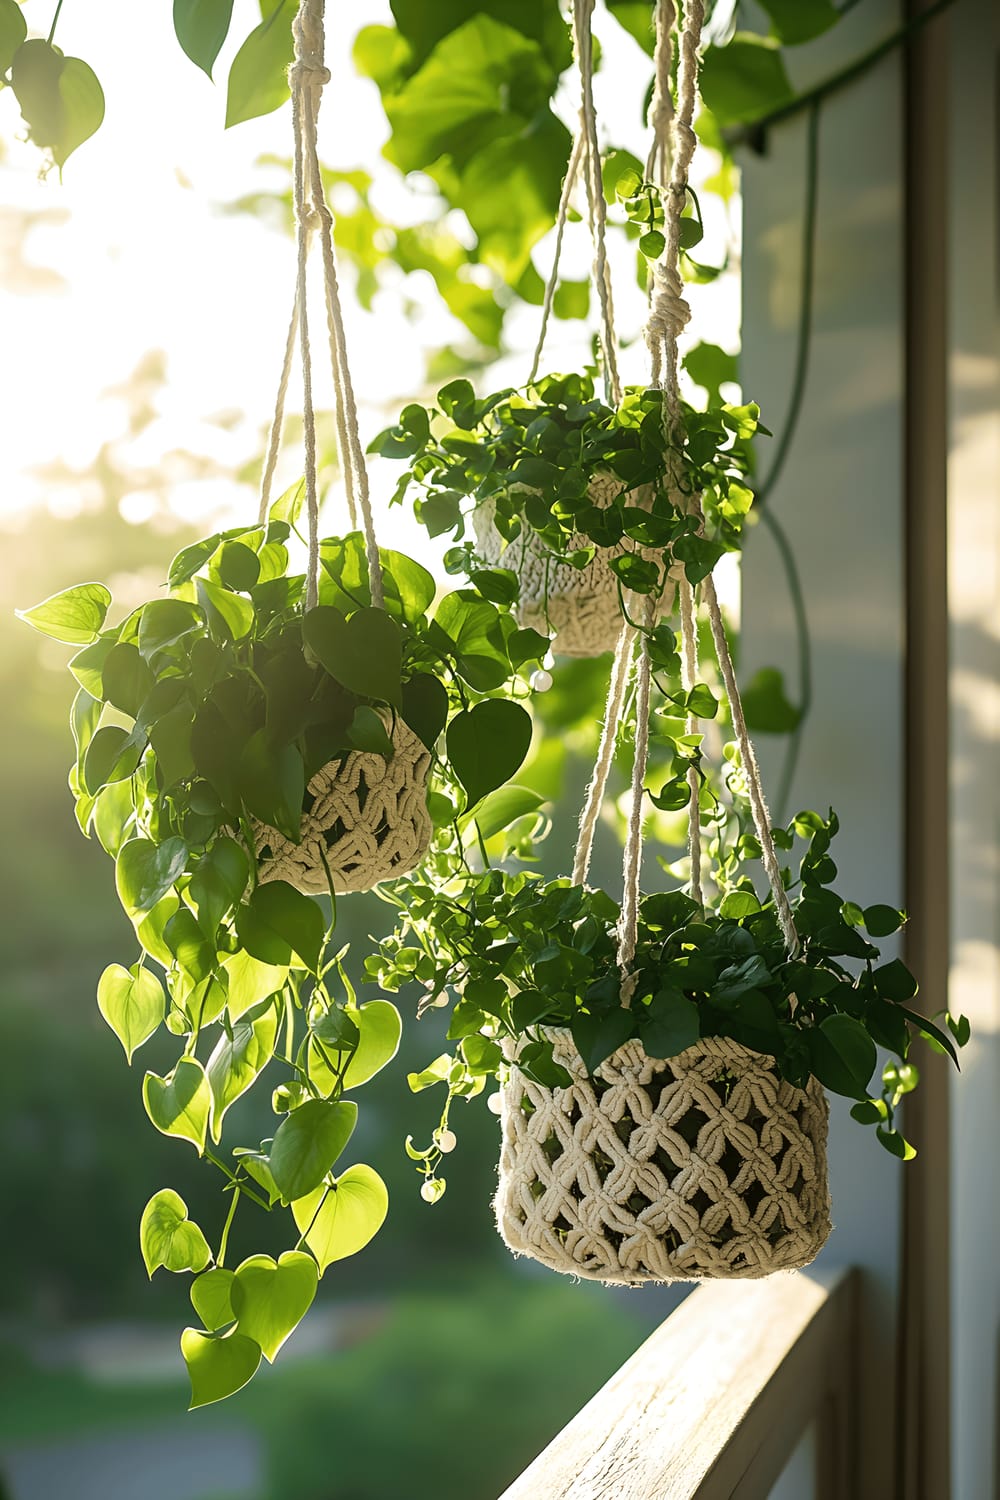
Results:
<point x="713" y="1404"/>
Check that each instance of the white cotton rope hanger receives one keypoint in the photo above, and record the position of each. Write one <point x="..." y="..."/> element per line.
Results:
<point x="668" y="316"/>
<point x="307" y="76"/>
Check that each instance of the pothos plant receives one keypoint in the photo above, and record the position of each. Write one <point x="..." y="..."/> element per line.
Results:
<point x="514" y="955"/>
<point x="201" y="718"/>
<point x="530" y="457"/>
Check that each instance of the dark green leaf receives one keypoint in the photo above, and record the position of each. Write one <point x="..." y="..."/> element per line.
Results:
<point x="671" y="1026"/>
<point x="796" y="21"/>
<point x="272" y="783"/>
<point x="842" y="1056"/>
<point x="766" y="705"/>
<point x="487" y="744"/>
<point x="127" y="679"/>
<point x="166" y="621"/>
<point x="367" y="731"/>
<point x="61" y="100"/>
<point x="201" y="27"/>
<point x="363" y="654"/>
<point x="882" y="921"/>
<point x="425" y="707"/>
<point x="279" y="922"/>
<point x="597" y="1036"/>
<point x="112" y="755"/>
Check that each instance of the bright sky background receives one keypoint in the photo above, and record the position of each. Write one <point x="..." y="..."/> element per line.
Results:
<point x="145" y="260"/>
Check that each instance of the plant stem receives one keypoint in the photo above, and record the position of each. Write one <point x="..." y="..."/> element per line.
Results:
<point x="804" y="647"/>
<point x="220" y="1259"/>
<point x="804" y="338"/>
<point x="55" y="18"/>
<point x="841" y="79"/>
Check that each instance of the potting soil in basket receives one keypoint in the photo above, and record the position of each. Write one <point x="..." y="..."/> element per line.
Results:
<point x="707" y="1164"/>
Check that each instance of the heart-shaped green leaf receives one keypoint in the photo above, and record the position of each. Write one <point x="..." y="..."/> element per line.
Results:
<point x="308" y="1143"/>
<point x="279" y="925"/>
<point x="239" y="1056"/>
<point x="425" y="707"/>
<point x="74" y="616"/>
<point x="112" y="755"/>
<point x="272" y="783"/>
<point x="127" y="679"/>
<point x="218" y="1365"/>
<point x="211" y="1299"/>
<point x="249" y="980"/>
<point x="163" y="622"/>
<point x="167" y="1237"/>
<point x="842" y="1055"/>
<point x="219" y="880"/>
<point x="364" y="654"/>
<point x="339" y="1221"/>
<point x="380" y="1028"/>
<point x="271" y="1298"/>
<point x="487" y="744"/>
<point x="179" y="1104"/>
<point x="132" y="1002"/>
<point x="13" y="30"/>
<point x="145" y="872"/>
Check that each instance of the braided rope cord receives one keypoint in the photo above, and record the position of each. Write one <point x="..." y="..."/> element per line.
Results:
<point x="707" y="1164"/>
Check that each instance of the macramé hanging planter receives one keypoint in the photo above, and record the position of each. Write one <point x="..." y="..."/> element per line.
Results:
<point x="707" y="1164"/>
<point x="364" y="820"/>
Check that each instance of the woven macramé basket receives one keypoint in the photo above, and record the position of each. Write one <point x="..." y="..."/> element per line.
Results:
<point x="578" y="607"/>
<point x="704" y="1165"/>
<point x="368" y="815"/>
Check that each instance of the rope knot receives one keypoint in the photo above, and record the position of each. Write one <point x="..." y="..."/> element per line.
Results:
<point x="669" y="312"/>
<point x="308" y="69"/>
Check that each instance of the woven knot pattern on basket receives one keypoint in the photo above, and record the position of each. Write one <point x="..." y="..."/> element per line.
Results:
<point x="704" y="1165"/>
<point x="367" y="815"/>
<point x="578" y="607"/>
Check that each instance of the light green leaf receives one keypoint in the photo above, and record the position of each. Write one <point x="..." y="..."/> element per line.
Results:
<point x="341" y="1220"/>
<point x="279" y="924"/>
<point x="145" y="872"/>
<point x="149" y="930"/>
<point x="13" y="30"/>
<point x="271" y="1298"/>
<point x="132" y="1002"/>
<point x="201" y="27"/>
<point x="258" y="78"/>
<point x="435" y="1072"/>
<point x="164" y="622"/>
<point x="167" y="1237"/>
<point x="250" y="981"/>
<point x="238" y="1058"/>
<point x="380" y="1027"/>
<point x="82" y="100"/>
<point x="75" y="615"/>
<point x="126" y="678"/>
<point x="308" y="1143"/>
<point x="218" y="1366"/>
<point x="288" y="506"/>
<point x="223" y="607"/>
<point x="500" y="808"/>
<point x="180" y="1103"/>
<point x="210" y="1298"/>
<point x="487" y="745"/>
<point x="61" y="100"/>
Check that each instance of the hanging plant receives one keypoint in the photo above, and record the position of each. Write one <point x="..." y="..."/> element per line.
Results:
<point x="561" y="501"/>
<point x="662" y="1063"/>
<point x="251" y="737"/>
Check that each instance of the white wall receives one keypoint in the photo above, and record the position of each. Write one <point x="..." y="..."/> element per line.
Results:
<point x="840" y="500"/>
<point x="974" y="587"/>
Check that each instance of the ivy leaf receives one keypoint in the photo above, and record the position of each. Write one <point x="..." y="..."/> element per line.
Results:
<point x="744" y="80"/>
<point x="164" y="622"/>
<point x="61" y="100"/>
<point x="882" y="921"/>
<point x="127" y="679"/>
<point x="597" y="1036"/>
<point x="13" y="30"/>
<point x="364" y="654"/>
<point x="766" y="704"/>
<point x="218" y="882"/>
<point x="279" y="923"/>
<point x="132" y="1002"/>
<point x="308" y="1143"/>
<point x="248" y="981"/>
<point x="258" y="78"/>
<point x="201" y="27"/>
<point x="270" y="1298"/>
<point x="179" y="1104"/>
<point x="379" y="1028"/>
<point x="469" y="630"/>
<point x="237" y="1060"/>
<point x="167" y="1237"/>
<point x="339" y="1221"/>
<point x="229" y="615"/>
<point x="145" y="872"/>
<point x="842" y="1055"/>
<point x="210" y="1298"/>
<point x="75" y="615"/>
<point x="796" y="21"/>
<point x="112" y="755"/>
<point x="487" y="745"/>
<point x="218" y="1366"/>
<point x="425" y="707"/>
<point x="367" y="732"/>
<point x="671" y="1026"/>
<point x="272" y="783"/>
